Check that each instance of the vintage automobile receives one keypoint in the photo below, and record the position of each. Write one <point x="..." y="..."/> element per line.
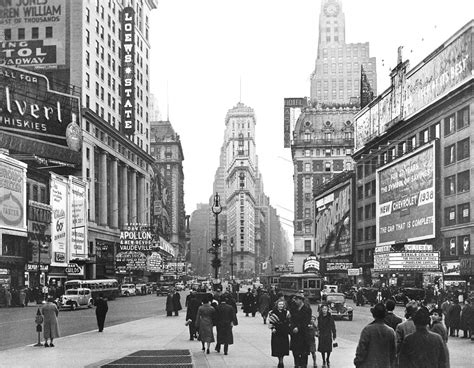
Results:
<point x="164" y="288"/>
<point x="366" y="295"/>
<point x="337" y="306"/>
<point x="74" y="298"/>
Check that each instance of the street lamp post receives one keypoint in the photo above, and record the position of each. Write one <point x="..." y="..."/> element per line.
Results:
<point x="216" y="242"/>
<point x="232" y="260"/>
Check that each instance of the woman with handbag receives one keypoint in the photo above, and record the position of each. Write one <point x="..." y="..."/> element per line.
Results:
<point x="327" y="334"/>
<point x="279" y="321"/>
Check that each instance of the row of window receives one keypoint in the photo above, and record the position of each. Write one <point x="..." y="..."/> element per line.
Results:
<point x="458" y="183"/>
<point x="457" y="121"/>
<point x="457" y="151"/>
<point x="367" y="233"/>
<point x="457" y="246"/>
<point x="35" y="33"/>
<point x="366" y="190"/>
<point x="370" y="212"/>
<point x="347" y="51"/>
<point x="459" y="214"/>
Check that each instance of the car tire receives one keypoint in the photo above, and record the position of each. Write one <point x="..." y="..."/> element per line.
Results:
<point x="126" y="293"/>
<point x="351" y="317"/>
<point x="74" y="306"/>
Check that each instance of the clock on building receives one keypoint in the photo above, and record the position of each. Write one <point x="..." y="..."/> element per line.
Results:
<point x="331" y="9"/>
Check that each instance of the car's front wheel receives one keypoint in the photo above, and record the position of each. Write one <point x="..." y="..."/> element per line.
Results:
<point x="74" y="306"/>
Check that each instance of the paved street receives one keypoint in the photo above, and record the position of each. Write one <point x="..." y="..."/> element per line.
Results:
<point x="251" y="348"/>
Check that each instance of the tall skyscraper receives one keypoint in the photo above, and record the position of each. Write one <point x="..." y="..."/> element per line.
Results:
<point x="322" y="137"/>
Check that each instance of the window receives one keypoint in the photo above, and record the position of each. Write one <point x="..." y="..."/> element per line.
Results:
<point x="463" y="149"/>
<point x="307" y="197"/>
<point x="451" y="246"/>
<point x="450" y="216"/>
<point x="449" y="126"/>
<point x="360" y="192"/>
<point x="464" y="213"/>
<point x="327" y="166"/>
<point x="307" y="245"/>
<point x="360" y="235"/>
<point x="88" y="15"/>
<point x="450" y="154"/>
<point x="307" y="229"/>
<point x="88" y="58"/>
<point x="307" y="182"/>
<point x="307" y="153"/>
<point x="450" y="185"/>
<point x="463" y="182"/>
<point x="307" y="213"/>
<point x="34" y="32"/>
<point x="465" y="242"/>
<point x="360" y="213"/>
<point x="21" y="33"/>
<point x="49" y="32"/>
<point x="424" y="136"/>
<point x="307" y="167"/>
<point x="463" y="118"/>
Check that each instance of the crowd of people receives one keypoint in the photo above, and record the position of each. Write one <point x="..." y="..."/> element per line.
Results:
<point x="21" y="296"/>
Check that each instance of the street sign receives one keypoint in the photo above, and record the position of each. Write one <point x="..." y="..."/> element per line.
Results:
<point x="73" y="268"/>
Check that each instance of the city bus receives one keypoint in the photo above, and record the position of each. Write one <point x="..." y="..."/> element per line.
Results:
<point x="108" y="287"/>
<point x="309" y="283"/>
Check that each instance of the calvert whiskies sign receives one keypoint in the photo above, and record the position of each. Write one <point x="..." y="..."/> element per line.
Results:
<point x="28" y="108"/>
<point x="128" y="71"/>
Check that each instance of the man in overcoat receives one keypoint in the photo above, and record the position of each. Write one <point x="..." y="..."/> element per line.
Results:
<point x="225" y="321"/>
<point x="176" y="302"/>
<point x="191" y="312"/>
<point x="101" y="311"/>
<point x="300" y="318"/>
<point x="248" y="303"/>
<point x="377" y="346"/>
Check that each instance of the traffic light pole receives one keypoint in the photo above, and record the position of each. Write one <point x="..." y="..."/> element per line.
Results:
<point x="216" y="254"/>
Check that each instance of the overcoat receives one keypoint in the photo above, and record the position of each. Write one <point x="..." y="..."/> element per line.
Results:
<point x="376" y="347"/>
<point x="226" y="319"/>
<point x="204" y="323"/>
<point x="424" y="348"/>
<point x="264" y="306"/>
<point x="300" y="319"/>
<point x="454" y="316"/>
<point x="177" y="302"/>
<point x="248" y="302"/>
<point x="50" y="325"/>
<point x="466" y="312"/>
<point x="280" y="322"/>
<point x="327" y="332"/>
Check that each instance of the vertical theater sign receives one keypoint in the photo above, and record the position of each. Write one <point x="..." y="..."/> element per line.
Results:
<point x="128" y="71"/>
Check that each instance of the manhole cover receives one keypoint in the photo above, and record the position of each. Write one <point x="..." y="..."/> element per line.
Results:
<point x="154" y="358"/>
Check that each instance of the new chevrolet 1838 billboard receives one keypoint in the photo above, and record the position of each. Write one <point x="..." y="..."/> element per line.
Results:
<point x="406" y="198"/>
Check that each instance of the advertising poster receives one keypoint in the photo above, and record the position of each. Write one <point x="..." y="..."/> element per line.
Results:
<point x="406" y="198"/>
<point x="39" y="232"/>
<point x="44" y="52"/>
<point x="405" y="261"/>
<point x="291" y="112"/>
<point x="12" y="194"/>
<point x="59" y="225"/>
<point x="138" y="250"/>
<point x="451" y="268"/>
<point x="29" y="108"/>
<point x="362" y="130"/>
<point x="333" y="223"/>
<point x="78" y="200"/>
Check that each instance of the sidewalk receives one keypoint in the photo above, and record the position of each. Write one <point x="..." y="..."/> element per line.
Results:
<point x="92" y="349"/>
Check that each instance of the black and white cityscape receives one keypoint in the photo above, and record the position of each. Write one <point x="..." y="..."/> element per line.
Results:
<point x="289" y="180"/>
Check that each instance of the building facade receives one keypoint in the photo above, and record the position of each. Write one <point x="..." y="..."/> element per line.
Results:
<point x="320" y="130"/>
<point x="85" y="49"/>
<point x="413" y="192"/>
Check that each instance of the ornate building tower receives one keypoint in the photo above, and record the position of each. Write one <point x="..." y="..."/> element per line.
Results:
<point x="323" y="135"/>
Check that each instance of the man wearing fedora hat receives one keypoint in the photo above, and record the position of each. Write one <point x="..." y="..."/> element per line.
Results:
<point x="300" y="318"/>
<point x="377" y="346"/>
<point x="423" y="348"/>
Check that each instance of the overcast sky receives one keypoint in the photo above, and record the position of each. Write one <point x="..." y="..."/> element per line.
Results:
<point x="202" y="49"/>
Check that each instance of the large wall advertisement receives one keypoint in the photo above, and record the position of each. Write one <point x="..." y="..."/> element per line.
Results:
<point x="12" y="194"/>
<point x="333" y="223"/>
<point x="406" y="198"/>
<point x="29" y="108"/>
<point x="78" y="200"/>
<point x="449" y="68"/>
<point x="40" y="50"/>
<point x="59" y="222"/>
<point x="39" y="232"/>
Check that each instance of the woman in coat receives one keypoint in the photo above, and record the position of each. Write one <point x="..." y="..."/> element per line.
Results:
<point x="50" y="325"/>
<point x="326" y="333"/>
<point x="225" y="321"/>
<point x="204" y="322"/>
<point x="248" y="303"/>
<point x="279" y="319"/>
<point x="176" y="302"/>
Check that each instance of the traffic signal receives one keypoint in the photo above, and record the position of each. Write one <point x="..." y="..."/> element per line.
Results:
<point x="216" y="263"/>
<point x="216" y="243"/>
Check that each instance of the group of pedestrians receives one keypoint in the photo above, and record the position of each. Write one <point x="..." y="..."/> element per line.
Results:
<point x="459" y="317"/>
<point x="214" y="311"/>
<point x="389" y="342"/>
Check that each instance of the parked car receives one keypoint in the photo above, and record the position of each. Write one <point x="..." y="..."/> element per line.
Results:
<point x="328" y="289"/>
<point x="128" y="290"/>
<point x="74" y="298"/>
<point x="407" y="294"/>
<point x="337" y="306"/>
<point x="366" y="295"/>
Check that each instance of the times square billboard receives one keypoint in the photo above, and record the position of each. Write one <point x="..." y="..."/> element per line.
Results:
<point x="38" y="50"/>
<point x="406" y="198"/>
<point x="333" y="219"/>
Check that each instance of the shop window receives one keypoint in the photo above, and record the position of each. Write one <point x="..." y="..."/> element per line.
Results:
<point x="464" y="213"/>
<point x="450" y="216"/>
<point x="463" y="182"/>
<point x="463" y="149"/>
<point x="450" y="185"/>
<point x="450" y="154"/>
<point x="463" y="118"/>
<point x="449" y="126"/>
